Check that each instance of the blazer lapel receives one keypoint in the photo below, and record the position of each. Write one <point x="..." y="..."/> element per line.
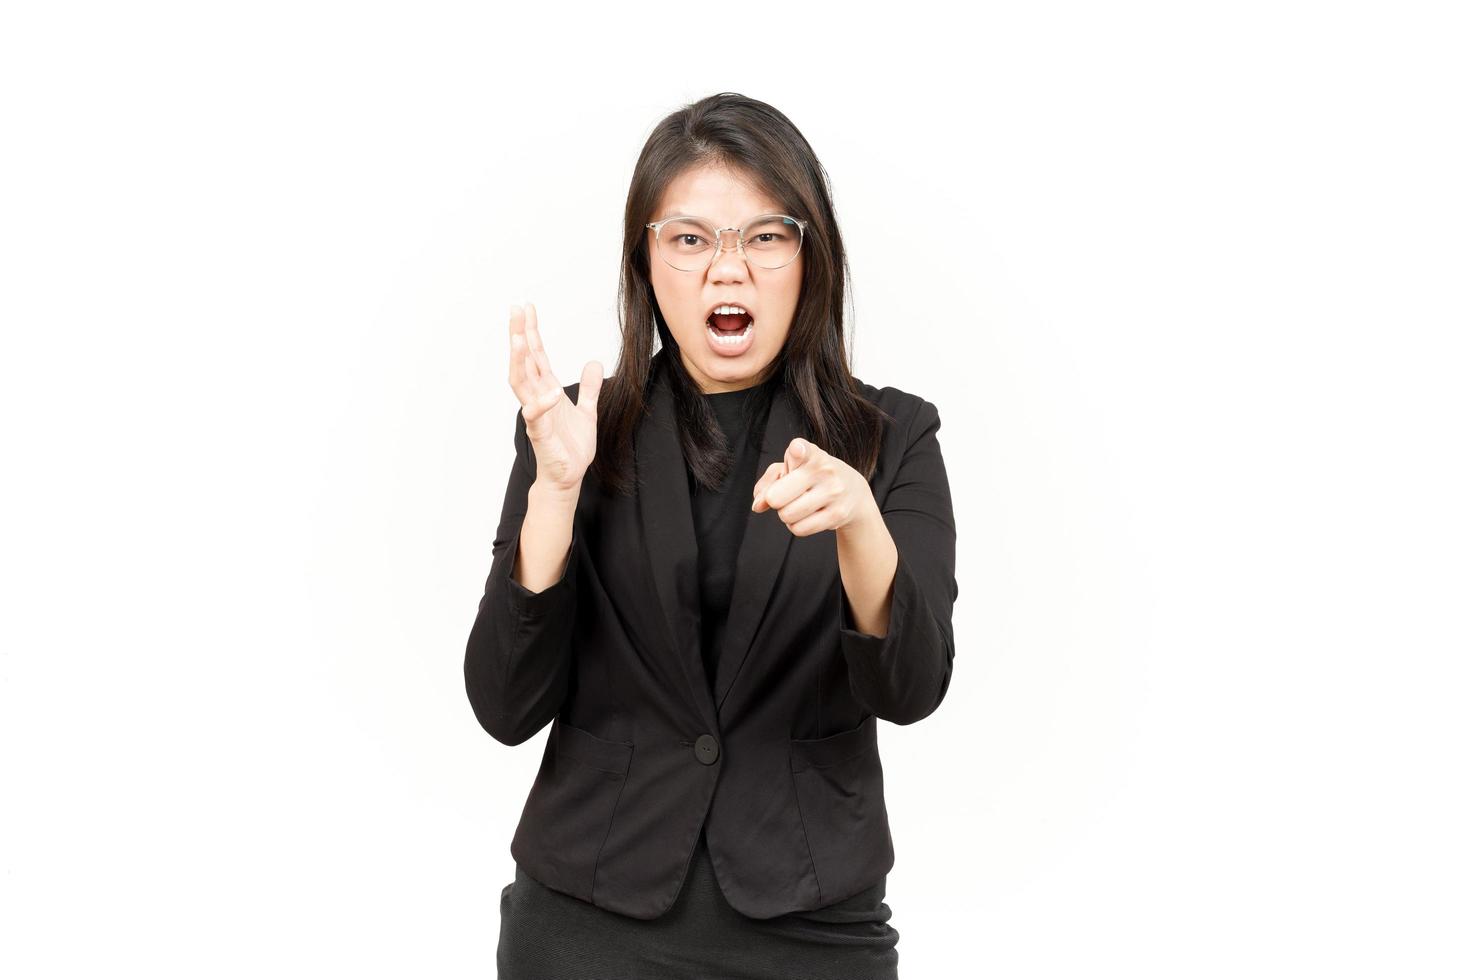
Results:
<point x="763" y="550"/>
<point x="673" y="551"/>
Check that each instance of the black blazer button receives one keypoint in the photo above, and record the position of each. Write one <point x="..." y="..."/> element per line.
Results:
<point x="706" y="749"/>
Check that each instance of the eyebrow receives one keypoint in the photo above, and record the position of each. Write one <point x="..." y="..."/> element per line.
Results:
<point x="676" y="213"/>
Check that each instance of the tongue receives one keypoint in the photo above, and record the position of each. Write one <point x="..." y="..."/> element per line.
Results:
<point x="729" y="323"/>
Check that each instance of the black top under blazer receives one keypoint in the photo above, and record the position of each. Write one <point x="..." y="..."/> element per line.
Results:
<point x="777" y="760"/>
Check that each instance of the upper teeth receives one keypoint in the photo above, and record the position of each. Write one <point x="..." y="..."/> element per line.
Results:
<point x="727" y="311"/>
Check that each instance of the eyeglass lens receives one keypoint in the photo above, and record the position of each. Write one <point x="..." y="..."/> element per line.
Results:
<point x="771" y="241"/>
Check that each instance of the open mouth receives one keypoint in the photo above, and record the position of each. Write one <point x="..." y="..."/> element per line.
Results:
<point x="729" y="324"/>
<point x="729" y="328"/>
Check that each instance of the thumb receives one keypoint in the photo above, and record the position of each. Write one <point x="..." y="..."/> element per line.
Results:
<point x="590" y="388"/>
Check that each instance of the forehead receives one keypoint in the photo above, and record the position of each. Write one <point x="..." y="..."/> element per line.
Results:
<point x="716" y="193"/>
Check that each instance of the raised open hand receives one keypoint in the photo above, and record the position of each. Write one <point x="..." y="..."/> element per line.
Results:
<point x="563" y="434"/>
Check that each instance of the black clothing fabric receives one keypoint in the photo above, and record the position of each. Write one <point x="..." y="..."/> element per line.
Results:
<point x="719" y="519"/>
<point x="776" y="758"/>
<point x="548" y="935"/>
<point x="545" y="933"/>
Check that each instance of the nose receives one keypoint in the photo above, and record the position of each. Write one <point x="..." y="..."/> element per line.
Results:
<point x="729" y="262"/>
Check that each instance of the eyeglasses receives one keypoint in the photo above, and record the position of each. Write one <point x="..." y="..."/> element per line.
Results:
<point x="769" y="241"/>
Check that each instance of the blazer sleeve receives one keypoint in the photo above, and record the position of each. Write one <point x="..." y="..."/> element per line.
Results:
<point x="903" y="675"/>
<point x="518" y="658"/>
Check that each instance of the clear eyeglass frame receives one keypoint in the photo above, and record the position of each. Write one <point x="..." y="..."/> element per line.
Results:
<point x="720" y="239"/>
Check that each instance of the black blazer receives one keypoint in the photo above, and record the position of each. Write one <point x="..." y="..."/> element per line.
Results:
<point x="781" y="767"/>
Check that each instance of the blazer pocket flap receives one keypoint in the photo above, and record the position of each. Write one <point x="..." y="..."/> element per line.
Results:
<point x="819" y="753"/>
<point x="590" y="750"/>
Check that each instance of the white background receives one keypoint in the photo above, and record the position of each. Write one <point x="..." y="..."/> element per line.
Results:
<point x="1187" y="283"/>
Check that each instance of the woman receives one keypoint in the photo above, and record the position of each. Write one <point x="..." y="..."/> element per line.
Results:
<point x="663" y="592"/>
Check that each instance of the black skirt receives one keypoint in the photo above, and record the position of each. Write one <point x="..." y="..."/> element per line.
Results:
<point x="548" y="935"/>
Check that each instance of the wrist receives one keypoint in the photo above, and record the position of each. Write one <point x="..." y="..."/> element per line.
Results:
<point x="554" y="495"/>
<point x="864" y="524"/>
